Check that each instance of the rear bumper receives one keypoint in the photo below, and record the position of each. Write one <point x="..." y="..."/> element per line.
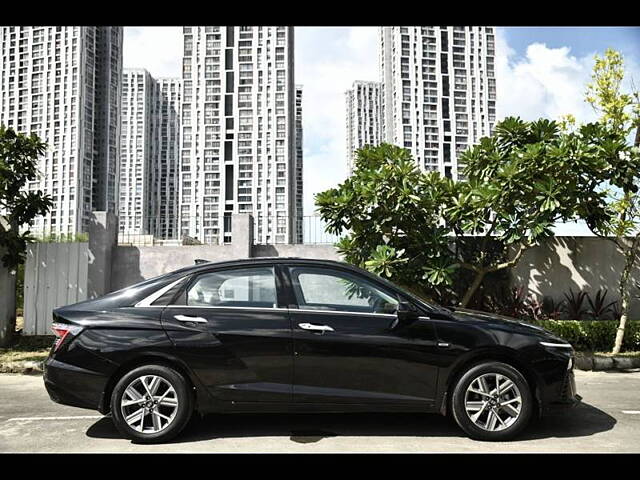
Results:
<point x="71" y="385"/>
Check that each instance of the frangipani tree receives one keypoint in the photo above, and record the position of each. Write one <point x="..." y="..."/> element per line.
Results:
<point x="521" y="181"/>
<point x="420" y="228"/>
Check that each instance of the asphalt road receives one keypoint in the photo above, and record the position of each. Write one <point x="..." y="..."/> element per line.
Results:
<point x="607" y="421"/>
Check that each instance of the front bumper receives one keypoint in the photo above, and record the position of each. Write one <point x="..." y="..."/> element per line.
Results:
<point x="566" y="397"/>
<point x="71" y="385"/>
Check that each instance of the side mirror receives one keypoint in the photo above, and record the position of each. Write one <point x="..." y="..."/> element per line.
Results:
<point x="405" y="313"/>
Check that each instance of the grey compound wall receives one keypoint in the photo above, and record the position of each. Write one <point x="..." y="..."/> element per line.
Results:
<point x="135" y="264"/>
<point x="576" y="263"/>
<point x="552" y="269"/>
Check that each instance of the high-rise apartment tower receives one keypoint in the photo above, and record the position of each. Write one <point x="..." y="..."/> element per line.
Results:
<point x="299" y="167"/>
<point x="364" y="117"/>
<point x="439" y="91"/>
<point x="149" y="148"/>
<point x="63" y="83"/>
<point x="237" y="149"/>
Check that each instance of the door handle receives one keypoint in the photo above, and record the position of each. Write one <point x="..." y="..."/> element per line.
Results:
<point x="187" y="318"/>
<point x="315" y="328"/>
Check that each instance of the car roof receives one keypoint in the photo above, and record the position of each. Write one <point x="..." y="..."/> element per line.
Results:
<point x="262" y="260"/>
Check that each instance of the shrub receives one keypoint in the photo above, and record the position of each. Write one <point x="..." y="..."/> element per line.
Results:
<point x="593" y="335"/>
<point x="552" y="309"/>
<point x="573" y="305"/>
<point x="62" y="238"/>
<point x="599" y="306"/>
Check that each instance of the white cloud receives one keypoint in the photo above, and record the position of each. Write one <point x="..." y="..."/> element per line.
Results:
<point x="546" y="82"/>
<point x="158" y="49"/>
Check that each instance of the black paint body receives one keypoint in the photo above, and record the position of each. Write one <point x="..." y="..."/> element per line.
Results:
<point x="258" y="359"/>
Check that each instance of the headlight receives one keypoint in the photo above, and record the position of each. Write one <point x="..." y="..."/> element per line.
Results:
<point x="570" y="364"/>
<point x="556" y="345"/>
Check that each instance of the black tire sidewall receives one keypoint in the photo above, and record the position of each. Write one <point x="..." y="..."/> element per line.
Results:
<point x="185" y="404"/>
<point x="459" y="411"/>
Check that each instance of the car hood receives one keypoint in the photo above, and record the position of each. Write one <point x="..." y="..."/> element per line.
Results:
<point x="502" y="321"/>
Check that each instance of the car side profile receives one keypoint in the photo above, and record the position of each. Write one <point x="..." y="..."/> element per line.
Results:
<point x="298" y="335"/>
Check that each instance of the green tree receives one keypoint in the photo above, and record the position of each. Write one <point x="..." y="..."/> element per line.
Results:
<point x="424" y="230"/>
<point x="619" y="115"/>
<point x="521" y="181"/>
<point x="19" y="155"/>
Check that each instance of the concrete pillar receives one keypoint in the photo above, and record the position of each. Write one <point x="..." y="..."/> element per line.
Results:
<point x="241" y="235"/>
<point x="103" y="238"/>
<point x="7" y="304"/>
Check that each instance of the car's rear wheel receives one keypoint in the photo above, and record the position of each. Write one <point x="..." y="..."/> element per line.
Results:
<point x="151" y="404"/>
<point x="492" y="401"/>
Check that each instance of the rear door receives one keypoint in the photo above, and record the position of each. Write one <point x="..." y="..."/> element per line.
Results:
<point x="231" y="329"/>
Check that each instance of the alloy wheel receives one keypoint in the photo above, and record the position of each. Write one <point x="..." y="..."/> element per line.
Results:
<point x="493" y="402"/>
<point x="149" y="404"/>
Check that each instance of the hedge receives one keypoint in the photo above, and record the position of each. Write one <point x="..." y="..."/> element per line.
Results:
<point x="594" y="335"/>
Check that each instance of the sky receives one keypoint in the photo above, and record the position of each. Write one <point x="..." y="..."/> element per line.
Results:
<point x="540" y="72"/>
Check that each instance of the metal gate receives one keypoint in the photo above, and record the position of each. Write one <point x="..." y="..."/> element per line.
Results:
<point x="55" y="274"/>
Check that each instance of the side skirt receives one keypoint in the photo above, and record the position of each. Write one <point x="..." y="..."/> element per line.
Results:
<point x="260" y="407"/>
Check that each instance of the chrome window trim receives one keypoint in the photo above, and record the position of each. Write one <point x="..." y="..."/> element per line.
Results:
<point x="213" y="307"/>
<point x="271" y="309"/>
<point x="342" y="312"/>
<point x="148" y="300"/>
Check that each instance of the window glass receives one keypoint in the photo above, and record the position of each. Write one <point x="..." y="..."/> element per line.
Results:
<point x="320" y="289"/>
<point x="248" y="287"/>
<point x="167" y="297"/>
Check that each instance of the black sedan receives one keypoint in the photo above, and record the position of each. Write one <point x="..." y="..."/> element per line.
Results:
<point x="298" y="335"/>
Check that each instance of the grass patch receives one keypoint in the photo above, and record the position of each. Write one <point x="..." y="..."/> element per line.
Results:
<point x="10" y="355"/>
<point x="27" y="348"/>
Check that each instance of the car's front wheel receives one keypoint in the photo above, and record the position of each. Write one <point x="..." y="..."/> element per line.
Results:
<point x="492" y="401"/>
<point x="151" y="404"/>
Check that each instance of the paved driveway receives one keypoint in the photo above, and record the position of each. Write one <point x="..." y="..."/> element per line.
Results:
<point x="607" y="421"/>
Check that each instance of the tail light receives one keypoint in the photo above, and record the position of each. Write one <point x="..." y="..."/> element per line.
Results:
<point x="62" y="331"/>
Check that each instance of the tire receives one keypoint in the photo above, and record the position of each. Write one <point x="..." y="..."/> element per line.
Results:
<point x="171" y="388"/>
<point x="495" y="418"/>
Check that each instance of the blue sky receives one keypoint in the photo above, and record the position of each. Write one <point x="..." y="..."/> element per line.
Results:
<point x="582" y="40"/>
<point x="540" y="71"/>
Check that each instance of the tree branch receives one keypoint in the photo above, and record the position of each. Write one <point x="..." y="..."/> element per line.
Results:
<point x="470" y="266"/>
<point x="511" y="263"/>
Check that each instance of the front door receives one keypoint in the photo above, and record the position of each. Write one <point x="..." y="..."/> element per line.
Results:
<point x="347" y="350"/>
<point x="228" y="326"/>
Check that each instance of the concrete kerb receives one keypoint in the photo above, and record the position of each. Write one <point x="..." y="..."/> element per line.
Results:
<point x="590" y="361"/>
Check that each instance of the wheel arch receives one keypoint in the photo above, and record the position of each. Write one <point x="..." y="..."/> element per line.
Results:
<point x="501" y="354"/>
<point x="151" y="358"/>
